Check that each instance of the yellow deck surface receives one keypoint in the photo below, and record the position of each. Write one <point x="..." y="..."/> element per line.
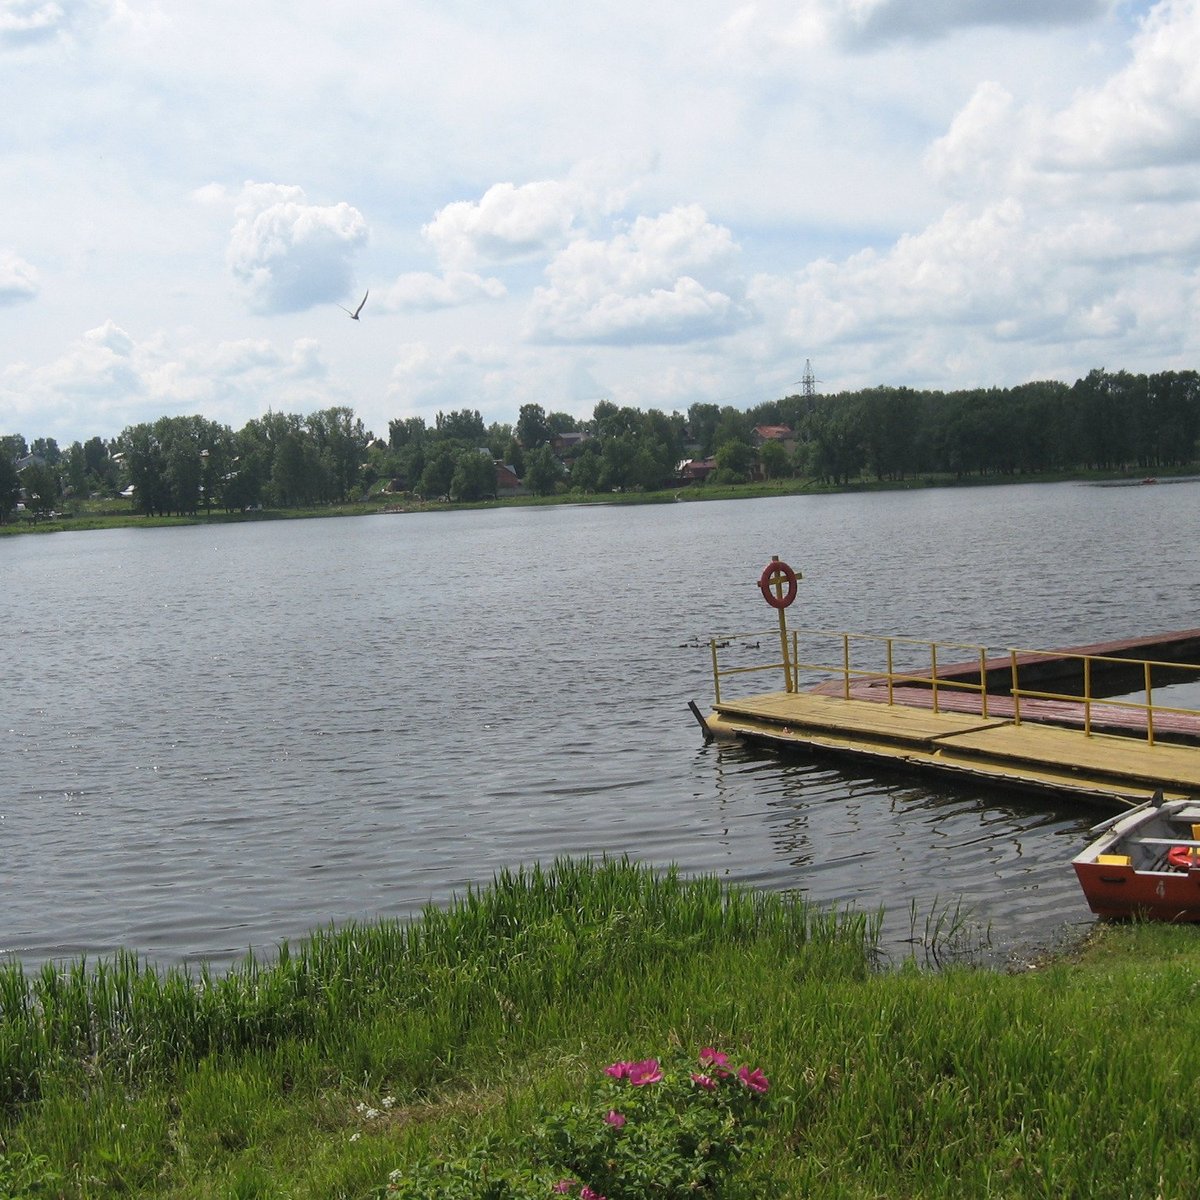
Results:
<point x="1036" y="757"/>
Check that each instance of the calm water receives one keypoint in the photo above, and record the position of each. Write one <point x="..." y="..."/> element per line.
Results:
<point x="218" y="737"/>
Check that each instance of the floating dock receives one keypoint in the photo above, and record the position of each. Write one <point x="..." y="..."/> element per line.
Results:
<point x="1082" y="722"/>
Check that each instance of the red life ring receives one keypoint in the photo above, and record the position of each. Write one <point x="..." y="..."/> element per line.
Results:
<point x="772" y="573"/>
<point x="1184" y="857"/>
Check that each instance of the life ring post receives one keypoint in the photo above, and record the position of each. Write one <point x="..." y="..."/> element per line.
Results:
<point x="778" y="584"/>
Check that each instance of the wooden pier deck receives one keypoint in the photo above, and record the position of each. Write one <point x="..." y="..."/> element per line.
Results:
<point x="1102" y="767"/>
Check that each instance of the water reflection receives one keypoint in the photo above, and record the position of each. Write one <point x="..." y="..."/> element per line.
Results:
<point x="888" y="840"/>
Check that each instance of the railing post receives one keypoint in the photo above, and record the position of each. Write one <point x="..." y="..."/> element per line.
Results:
<point x="1149" y="709"/>
<point x="1016" y="687"/>
<point x="712" y="646"/>
<point x="983" y="682"/>
<point x="789" y="683"/>
<point x="933" y="680"/>
<point x="1087" y="697"/>
<point x="845" y="666"/>
<point x="891" y="672"/>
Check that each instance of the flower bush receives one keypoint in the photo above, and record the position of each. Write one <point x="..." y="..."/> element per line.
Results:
<point x="650" y="1130"/>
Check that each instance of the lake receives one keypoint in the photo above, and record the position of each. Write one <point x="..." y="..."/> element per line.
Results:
<point x="217" y="737"/>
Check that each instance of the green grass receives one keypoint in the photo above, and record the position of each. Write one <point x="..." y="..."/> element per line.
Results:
<point x="367" y="1047"/>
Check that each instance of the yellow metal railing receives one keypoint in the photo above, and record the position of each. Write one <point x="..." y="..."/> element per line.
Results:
<point x="907" y="662"/>
<point x="845" y="644"/>
<point x="1085" y="697"/>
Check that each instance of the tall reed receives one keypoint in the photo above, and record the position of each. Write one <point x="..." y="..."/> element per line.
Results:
<point x="532" y="935"/>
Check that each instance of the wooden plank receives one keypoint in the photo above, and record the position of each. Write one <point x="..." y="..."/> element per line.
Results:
<point x="805" y="710"/>
<point x="1024" y="776"/>
<point x="1061" y="712"/>
<point x="1067" y="749"/>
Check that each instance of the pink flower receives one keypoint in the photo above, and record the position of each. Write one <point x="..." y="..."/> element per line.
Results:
<point x="644" y="1072"/>
<point x="587" y="1194"/>
<point x="614" y="1118"/>
<point x="755" y="1080"/>
<point x="707" y="1082"/>
<point x="713" y="1058"/>
<point x="618" y="1070"/>
<point x="563" y="1186"/>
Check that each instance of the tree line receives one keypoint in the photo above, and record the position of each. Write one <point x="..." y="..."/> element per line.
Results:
<point x="1105" y="421"/>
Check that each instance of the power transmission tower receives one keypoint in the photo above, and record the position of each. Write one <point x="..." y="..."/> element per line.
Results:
<point x="809" y="381"/>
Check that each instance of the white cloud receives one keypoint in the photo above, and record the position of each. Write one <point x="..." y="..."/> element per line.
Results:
<point x="107" y="379"/>
<point x="670" y="278"/>
<point x="29" y="20"/>
<point x="869" y="23"/>
<point x="875" y="25"/>
<point x="18" y="280"/>
<point x="977" y="150"/>
<point x="505" y="224"/>
<point x="991" y="289"/>
<point x="422" y="290"/>
<point x="1147" y="115"/>
<point x="291" y="255"/>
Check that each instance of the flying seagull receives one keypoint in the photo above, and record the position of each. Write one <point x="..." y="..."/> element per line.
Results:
<point x="354" y="314"/>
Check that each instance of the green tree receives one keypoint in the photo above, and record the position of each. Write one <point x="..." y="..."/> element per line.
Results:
<point x="543" y="472"/>
<point x="438" y="475"/>
<point x="10" y="487"/>
<point x="702" y="424"/>
<point x="474" y="476"/>
<point x="406" y="431"/>
<point x="617" y="460"/>
<point x="586" y="470"/>
<point x="145" y="468"/>
<point x="341" y="443"/>
<point x="500" y="436"/>
<point x="514" y="455"/>
<point x="46" y="448"/>
<point x="180" y="440"/>
<point x="465" y="426"/>
<point x="561" y="422"/>
<point x="735" y="461"/>
<point x="532" y="430"/>
<point x="733" y="426"/>
<point x="76" y="469"/>
<point x="295" y="470"/>
<point x="836" y="450"/>
<point x="40" y="482"/>
<point x="95" y="456"/>
<point x="773" y="458"/>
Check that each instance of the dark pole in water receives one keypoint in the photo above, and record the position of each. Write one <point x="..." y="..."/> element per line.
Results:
<point x="708" y="734"/>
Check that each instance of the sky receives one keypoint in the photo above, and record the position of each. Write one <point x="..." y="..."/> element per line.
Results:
<point x="652" y="204"/>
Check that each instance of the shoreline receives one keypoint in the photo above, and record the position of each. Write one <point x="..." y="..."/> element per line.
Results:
<point x="103" y="516"/>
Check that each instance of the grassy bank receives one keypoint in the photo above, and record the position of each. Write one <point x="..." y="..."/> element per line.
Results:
<point x="376" y="1048"/>
<point x="119" y="514"/>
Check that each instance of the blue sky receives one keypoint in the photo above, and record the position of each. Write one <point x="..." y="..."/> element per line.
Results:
<point x="557" y="204"/>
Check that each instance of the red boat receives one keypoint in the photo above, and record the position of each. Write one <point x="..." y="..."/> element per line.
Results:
<point x="1145" y="863"/>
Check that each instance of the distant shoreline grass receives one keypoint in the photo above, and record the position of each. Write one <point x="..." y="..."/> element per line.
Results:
<point x="110" y="514"/>
<point x="368" y="1048"/>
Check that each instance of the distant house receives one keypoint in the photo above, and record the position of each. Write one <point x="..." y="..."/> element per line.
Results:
<point x="775" y="433"/>
<point x="564" y="443"/>
<point x="696" y="470"/>
<point x="507" y="483"/>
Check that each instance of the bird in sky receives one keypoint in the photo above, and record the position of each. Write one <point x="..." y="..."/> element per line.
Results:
<point x="354" y="315"/>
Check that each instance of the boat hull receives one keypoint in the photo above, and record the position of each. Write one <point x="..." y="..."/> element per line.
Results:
<point x="1121" y="892"/>
<point x="1145" y="864"/>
